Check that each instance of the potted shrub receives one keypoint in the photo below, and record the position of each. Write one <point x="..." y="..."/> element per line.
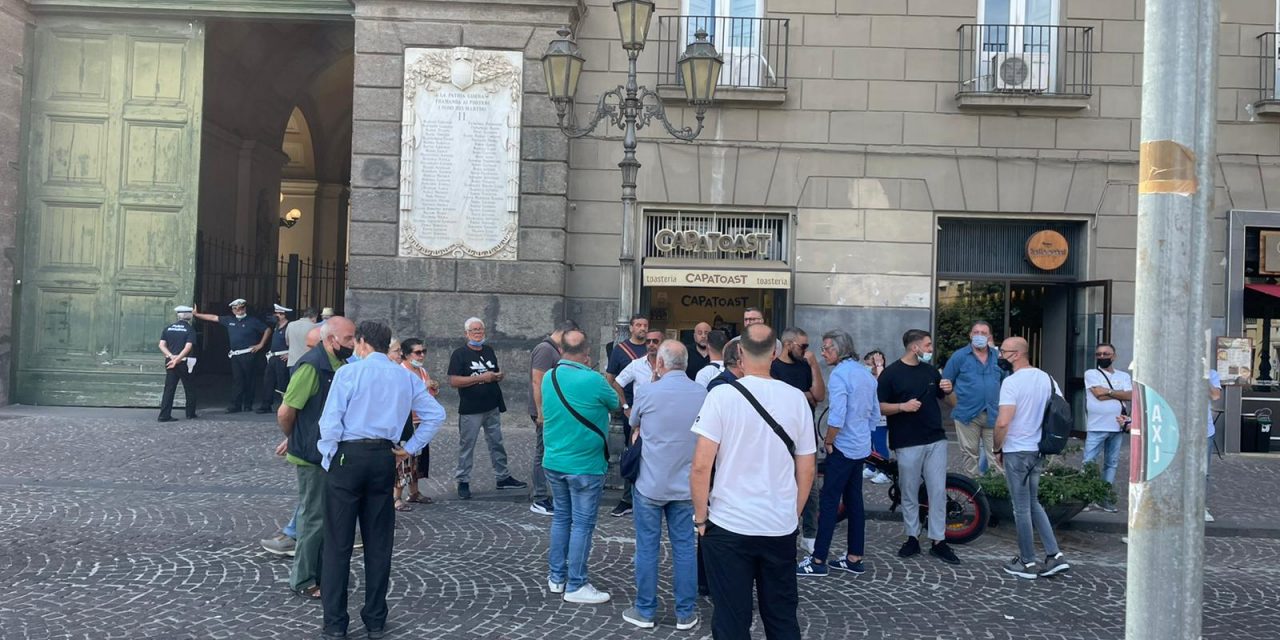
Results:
<point x="1064" y="491"/>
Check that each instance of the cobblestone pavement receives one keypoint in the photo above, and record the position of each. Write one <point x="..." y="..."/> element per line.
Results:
<point x="114" y="526"/>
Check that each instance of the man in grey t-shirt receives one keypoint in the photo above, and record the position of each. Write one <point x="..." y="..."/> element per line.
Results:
<point x="543" y="359"/>
<point x="295" y="334"/>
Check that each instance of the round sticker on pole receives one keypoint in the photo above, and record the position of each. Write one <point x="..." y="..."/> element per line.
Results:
<point x="1153" y="438"/>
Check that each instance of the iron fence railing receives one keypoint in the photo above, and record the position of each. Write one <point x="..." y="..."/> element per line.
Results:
<point x="755" y="50"/>
<point x="1027" y="59"/>
<point x="226" y="271"/>
<point x="1268" y="65"/>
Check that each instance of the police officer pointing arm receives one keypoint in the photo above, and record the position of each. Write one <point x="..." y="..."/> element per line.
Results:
<point x="242" y="332"/>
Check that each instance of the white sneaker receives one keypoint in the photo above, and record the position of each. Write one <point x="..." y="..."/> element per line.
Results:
<point x="868" y="473"/>
<point x="1208" y="517"/>
<point x="587" y="594"/>
<point x="807" y="544"/>
<point x="555" y="587"/>
<point x="880" y="478"/>
<point x="1124" y="539"/>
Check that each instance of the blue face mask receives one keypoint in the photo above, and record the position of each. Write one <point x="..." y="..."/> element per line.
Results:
<point x="926" y="357"/>
<point x="978" y="342"/>
<point x="476" y="343"/>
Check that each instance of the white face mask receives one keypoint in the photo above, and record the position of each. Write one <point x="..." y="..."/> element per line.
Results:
<point x="184" y="315"/>
<point x="415" y="363"/>
<point x="241" y="316"/>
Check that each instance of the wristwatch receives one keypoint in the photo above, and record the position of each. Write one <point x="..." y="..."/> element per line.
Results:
<point x="626" y="407"/>
<point x="696" y="523"/>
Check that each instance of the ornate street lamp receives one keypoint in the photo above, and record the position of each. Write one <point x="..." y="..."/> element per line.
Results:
<point x="630" y="108"/>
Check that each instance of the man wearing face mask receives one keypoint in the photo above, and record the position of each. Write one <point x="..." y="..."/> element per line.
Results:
<point x="976" y="376"/>
<point x="246" y="336"/>
<point x="299" y="420"/>
<point x="176" y="343"/>
<point x="1109" y="391"/>
<point x="909" y="390"/>
<point x="474" y="372"/>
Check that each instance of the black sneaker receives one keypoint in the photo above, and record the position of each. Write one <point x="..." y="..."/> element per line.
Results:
<point x="464" y="490"/>
<point x="942" y="551"/>
<point x="623" y="509"/>
<point x="262" y="410"/>
<point x="542" y="507"/>
<point x="909" y="548"/>
<point x="511" y="483"/>
<point x="166" y="419"/>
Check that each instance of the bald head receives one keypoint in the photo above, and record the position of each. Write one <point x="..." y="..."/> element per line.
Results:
<point x="672" y="356"/>
<point x="700" y="333"/>
<point x="338" y="333"/>
<point x="575" y="347"/>
<point x="1015" y="350"/>
<point x="313" y="337"/>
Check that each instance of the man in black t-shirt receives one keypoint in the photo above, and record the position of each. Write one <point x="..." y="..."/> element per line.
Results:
<point x="797" y="366"/>
<point x="700" y="353"/>
<point x="909" y="390"/>
<point x="633" y="348"/>
<point x="474" y="372"/>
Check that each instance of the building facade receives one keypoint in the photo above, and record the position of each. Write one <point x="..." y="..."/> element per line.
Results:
<point x="874" y="165"/>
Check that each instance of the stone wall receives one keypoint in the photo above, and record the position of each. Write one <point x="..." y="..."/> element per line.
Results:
<point x="431" y="298"/>
<point x="870" y="146"/>
<point x="14" y="28"/>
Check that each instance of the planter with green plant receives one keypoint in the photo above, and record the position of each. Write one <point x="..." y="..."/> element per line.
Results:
<point x="1064" y="491"/>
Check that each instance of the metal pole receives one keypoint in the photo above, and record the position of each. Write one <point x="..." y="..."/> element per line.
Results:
<point x="1176" y="180"/>
<point x="630" y="169"/>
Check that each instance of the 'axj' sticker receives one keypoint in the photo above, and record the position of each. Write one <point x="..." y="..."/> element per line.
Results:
<point x="1153" y="435"/>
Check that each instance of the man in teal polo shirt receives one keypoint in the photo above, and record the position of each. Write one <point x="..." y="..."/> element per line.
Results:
<point x="299" y="418"/>
<point x="575" y="460"/>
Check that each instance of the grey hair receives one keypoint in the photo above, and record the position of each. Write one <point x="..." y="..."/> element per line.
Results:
<point x="470" y="321"/>
<point x="791" y="333"/>
<point x="326" y="330"/>
<point x="731" y="355"/>
<point x="673" y="355"/>
<point x="842" y="342"/>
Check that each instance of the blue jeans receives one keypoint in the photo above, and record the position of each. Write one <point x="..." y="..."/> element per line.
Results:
<point x="291" y="529"/>
<point x="648" y="514"/>
<point x="1022" y="474"/>
<point x="843" y="481"/>
<point x="576" y="500"/>
<point x="1107" y="443"/>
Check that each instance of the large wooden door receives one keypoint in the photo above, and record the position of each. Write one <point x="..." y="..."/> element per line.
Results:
<point x="110" y="221"/>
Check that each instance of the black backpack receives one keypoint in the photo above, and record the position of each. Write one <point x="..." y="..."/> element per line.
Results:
<point x="1056" y="425"/>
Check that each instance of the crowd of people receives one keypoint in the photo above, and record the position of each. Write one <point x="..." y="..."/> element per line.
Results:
<point x="724" y="430"/>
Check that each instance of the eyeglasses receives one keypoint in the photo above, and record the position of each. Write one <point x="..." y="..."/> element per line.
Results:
<point x="803" y="347"/>
<point x="417" y="352"/>
<point x="476" y="330"/>
<point x="1004" y="351"/>
<point x="1103" y="354"/>
<point x="828" y="347"/>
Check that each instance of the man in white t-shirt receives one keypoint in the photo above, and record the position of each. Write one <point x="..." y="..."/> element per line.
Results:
<point x="1107" y="407"/>
<point x="1023" y="397"/>
<point x="639" y="372"/>
<point x="716" y="340"/>
<point x="747" y="523"/>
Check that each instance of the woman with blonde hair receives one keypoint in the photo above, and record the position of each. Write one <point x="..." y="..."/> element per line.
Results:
<point x="408" y="471"/>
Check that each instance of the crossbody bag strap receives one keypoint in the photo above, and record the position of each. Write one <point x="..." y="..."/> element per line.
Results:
<point x="1124" y="410"/>
<point x="556" y="383"/>
<point x="777" y="428"/>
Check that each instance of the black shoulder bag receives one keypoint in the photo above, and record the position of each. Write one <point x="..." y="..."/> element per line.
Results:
<point x="587" y="423"/>
<point x="777" y="428"/>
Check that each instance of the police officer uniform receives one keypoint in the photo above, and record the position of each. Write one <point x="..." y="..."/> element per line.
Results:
<point x="174" y="340"/>
<point x="275" y="379"/>
<point x="243" y="334"/>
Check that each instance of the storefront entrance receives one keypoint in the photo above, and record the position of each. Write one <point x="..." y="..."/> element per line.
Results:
<point x="677" y="310"/>
<point x="1253" y="312"/>
<point x="1062" y="316"/>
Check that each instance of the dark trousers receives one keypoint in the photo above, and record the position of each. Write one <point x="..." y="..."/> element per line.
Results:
<point x="735" y="563"/>
<point x="358" y="487"/>
<point x="274" y="382"/>
<point x="242" y="381"/>
<point x="841" y="482"/>
<point x="171" y="378"/>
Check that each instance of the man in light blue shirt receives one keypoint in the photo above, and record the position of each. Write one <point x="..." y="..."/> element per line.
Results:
<point x="854" y="414"/>
<point x="663" y="416"/>
<point x="976" y="377"/>
<point x="368" y="404"/>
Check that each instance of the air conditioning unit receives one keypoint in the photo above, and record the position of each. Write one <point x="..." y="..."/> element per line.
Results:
<point x="1020" y="72"/>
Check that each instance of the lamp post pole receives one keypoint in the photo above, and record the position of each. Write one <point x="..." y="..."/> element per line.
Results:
<point x="630" y="107"/>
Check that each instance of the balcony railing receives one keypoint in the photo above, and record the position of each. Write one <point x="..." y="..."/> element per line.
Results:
<point x="1026" y="60"/>
<point x="1268" y="67"/>
<point x="755" y="50"/>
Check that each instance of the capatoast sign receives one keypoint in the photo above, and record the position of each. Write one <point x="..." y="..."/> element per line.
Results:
<point x="668" y="240"/>
<point x="726" y="278"/>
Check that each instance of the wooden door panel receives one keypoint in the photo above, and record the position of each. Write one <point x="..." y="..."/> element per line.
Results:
<point x="111" y="205"/>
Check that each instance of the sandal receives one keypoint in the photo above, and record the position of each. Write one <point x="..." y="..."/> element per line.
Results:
<point x="402" y="505"/>
<point x="309" y="593"/>
<point x="421" y="499"/>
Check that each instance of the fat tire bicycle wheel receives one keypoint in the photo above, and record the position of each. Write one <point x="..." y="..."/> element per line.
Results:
<point x="968" y="511"/>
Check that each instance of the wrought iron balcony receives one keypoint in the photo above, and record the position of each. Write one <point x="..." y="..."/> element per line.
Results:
<point x="1025" y="66"/>
<point x="1268" y="103"/>
<point x="755" y="52"/>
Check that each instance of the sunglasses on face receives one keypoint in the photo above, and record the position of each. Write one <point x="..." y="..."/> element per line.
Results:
<point x="418" y="352"/>
<point x="803" y="347"/>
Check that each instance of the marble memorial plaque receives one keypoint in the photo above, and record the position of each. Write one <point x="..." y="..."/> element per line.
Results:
<point x="460" y="153"/>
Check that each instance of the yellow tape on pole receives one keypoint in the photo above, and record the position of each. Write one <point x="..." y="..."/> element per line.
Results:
<point x="1165" y="166"/>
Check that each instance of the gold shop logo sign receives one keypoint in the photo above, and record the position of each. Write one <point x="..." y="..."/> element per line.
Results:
<point x="668" y="240"/>
<point x="1047" y="250"/>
